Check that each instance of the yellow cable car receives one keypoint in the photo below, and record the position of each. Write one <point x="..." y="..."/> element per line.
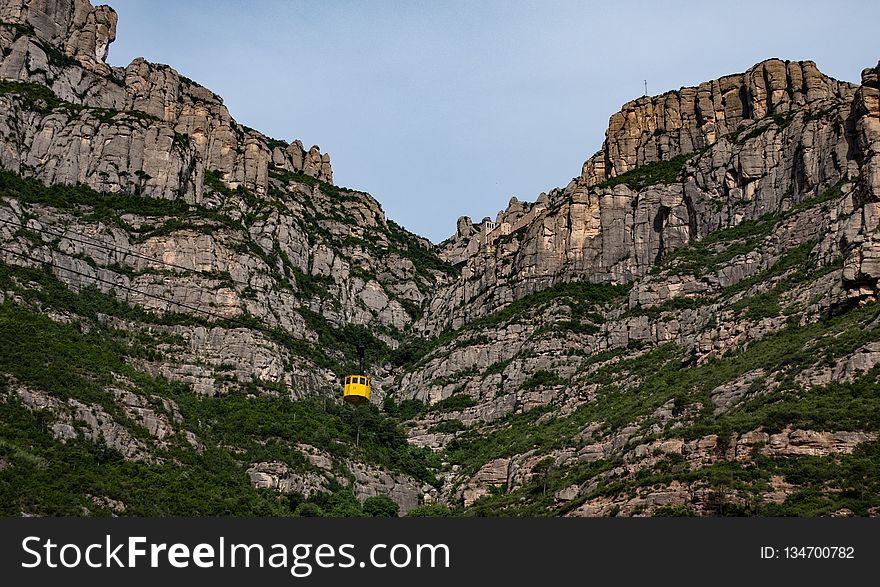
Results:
<point x="356" y="388"/>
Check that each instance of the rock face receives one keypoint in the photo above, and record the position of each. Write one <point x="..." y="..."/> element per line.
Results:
<point x="759" y="142"/>
<point x="270" y="237"/>
<point x="72" y="419"/>
<point x="700" y="301"/>
<point x="716" y="235"/>
<point x="238" y="261"/>
<point x="364" y="480"/>
<point x="657" y="128"/>
<point x="492" y="475"/>
<point x="82" y="31"/>
<point x="141" y="129"/>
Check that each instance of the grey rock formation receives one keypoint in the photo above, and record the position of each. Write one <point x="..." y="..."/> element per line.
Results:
<point x="140" y="129"/>
<point x="364" y="480"/>
<point x="657" y="128"/>
<point x="74" y="418"/>
<point x="759" y="142"/>
<point x="82" y="31"/>
<point x="713" y="219"/>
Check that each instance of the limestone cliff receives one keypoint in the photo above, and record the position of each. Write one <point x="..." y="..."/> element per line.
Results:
<point x="699" y="159"/>
<point x="243" y="227"/>
<point x="144" y="127"/>
<point x="691" y="326"/>
<point x="669" y="318"/>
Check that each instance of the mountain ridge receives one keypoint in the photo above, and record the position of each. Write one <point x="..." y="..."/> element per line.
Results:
<point x="632" y="343"/>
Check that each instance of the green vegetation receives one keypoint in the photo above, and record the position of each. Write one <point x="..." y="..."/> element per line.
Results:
<point x="380" y="506"/>
<point x="393" y="239"/>
<point x="453" y="403"/>
<point x="582" y="297"/>
<point x="310" y="285"/>
<point x="20" y="28"/>
<point x="780" y="120"/>
<point x="447" y="427"/>
<point x="265" y="427"/>
<point x="832" y="193"/>
<point x="515" y="235"/>
<point x="99" y="205"/>
<point x="338" y="193"/>
<point x="658" y="172"/>
<point x="43" y="100"/>
<point x="431" y="511"/>
<point x="276" y="143"/>
<point x="661" y="375"/>
<point x="334" y="343"/>
<point x="182" y="142"/>
<point x="828" y="484"/>
<point x="495" y="368"/>
<point x="405" y="410"/>
<point x="542" y="378"/>
<point x="77" y="355"/>
<point x="56" y="56"/>
<point x="337" y="346"/>
<point x="410" y="247"/>
<point x="825" y="113"/>
<point x="50" y="477"/>
<point x="36" y="97"/>
<point x="720" y="246"/>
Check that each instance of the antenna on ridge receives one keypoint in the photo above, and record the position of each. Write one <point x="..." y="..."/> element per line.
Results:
<point x="646" y="87"/>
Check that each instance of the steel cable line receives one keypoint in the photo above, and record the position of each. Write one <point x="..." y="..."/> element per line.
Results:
<point x="131" y="289"/>
<point x="114" y="249"/>
<point x="232" y="320"/>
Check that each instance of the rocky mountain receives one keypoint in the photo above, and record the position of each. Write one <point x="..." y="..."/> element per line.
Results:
<point x="691" y="307"/>
<point x="688" y="327"/>
<point x="230" y="255"/>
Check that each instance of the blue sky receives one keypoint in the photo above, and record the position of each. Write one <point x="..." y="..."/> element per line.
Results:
<point x="443" y="109"/>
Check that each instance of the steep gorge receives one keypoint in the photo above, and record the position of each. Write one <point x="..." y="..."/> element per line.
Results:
<point x="689" y="326"/>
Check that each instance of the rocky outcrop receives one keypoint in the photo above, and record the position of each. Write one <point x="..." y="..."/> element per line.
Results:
<point x="510" y="474"/>
<point x="462" y="245"/>
<point x="764" y="231"/>
<point x="141" y="129"/>
<point x="72" y="419"/>
<point x="713" y="218"/>
<point x="759" y="142"/>
<point x="278" y="262"/>
<point x="862" y="264"/>
<point x="493" y="475"/>
<point x="363" y="479"/>
<point x="82" y="31"/>
<point x="278" y="476"/>
<point x="657" y="128"/>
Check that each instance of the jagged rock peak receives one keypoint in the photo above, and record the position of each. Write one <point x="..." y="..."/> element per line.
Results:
<point x="80" y="30"/>
<point x="657" y="128"/>
<point x="867" y="127"/>
<point x="62" y="44"/>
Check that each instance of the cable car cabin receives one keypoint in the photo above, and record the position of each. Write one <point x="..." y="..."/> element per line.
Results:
<point x="356" y="389"/>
